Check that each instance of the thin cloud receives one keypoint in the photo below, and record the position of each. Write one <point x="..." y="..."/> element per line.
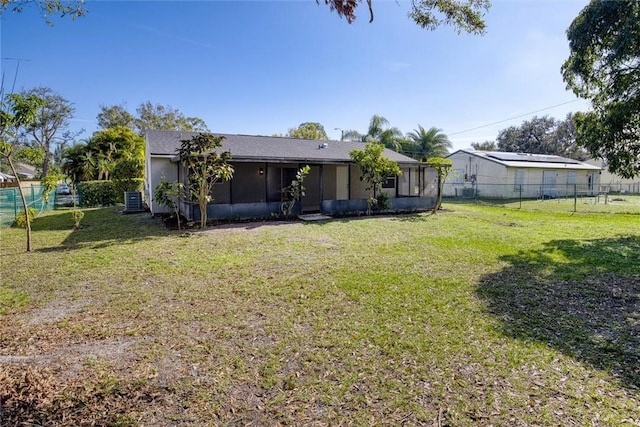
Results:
<point x="169" y="35"/>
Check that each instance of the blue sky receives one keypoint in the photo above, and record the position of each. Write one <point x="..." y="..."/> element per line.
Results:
<point x="263" y="67"/>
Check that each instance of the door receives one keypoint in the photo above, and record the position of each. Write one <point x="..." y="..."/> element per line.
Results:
<point x="549" y="190"/>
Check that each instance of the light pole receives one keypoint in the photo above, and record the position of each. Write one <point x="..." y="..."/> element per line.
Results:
<point x="341" y="133"/>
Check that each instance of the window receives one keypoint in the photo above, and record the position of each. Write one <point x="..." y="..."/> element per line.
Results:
<point x="519" y="180"/>
<point x="390" y="182"/>
<point x="571" y="177"/>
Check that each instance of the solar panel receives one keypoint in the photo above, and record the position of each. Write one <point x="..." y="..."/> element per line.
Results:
<point x="524" y="157"/>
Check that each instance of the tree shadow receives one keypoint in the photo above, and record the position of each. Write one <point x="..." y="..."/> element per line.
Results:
<point x="581" y="297"/>
<point x="99" y="228"/>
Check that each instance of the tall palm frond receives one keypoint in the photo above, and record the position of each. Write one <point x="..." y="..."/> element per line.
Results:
<point x="429" y="143"/>
<point x="376" y="127"/>
<point x="391" y="138"/>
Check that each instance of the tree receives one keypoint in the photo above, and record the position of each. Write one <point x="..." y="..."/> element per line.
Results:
<point x="377" y="124"/>
<point x="375" y="168"/>
<point x="169" y="194"/>
<point x="533" y="136"/>
<point x="379" y="131"/>
<point x="115" y="115"/>
<point x="351" y="135"/>
<point x="604" y="67"/>
<point x="295" y="191"/>
<point x="53" y="119"/>
<point x="107" y="151"/>
<point x="542" y="135"/>
<point x="484" y="146"/>
<point x="443" y="167"/>
<point x="73" y="8"/>
<point x="566" y="139"/>
<point x="463" y="15"/>
<point x="308" y="130"/>
<point x="205" y="166"/>
<point x="429" y="143"/>
<point x="164" y="117"/>
<point x="78" y="163"/>
<point x="118" y="144"/>
<point x="17" y="112"/>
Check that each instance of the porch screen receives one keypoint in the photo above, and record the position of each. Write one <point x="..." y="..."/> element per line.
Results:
<point x="279" y="177"/>
<point x="408" y="184"/>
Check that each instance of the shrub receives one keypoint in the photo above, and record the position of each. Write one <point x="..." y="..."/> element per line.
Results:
<point x="96" y="193"/>
<point x="21" y="221"/>
<point x="77" y="217"/>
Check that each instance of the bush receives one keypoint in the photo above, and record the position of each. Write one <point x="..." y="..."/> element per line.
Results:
<point x="21" y="222"/>
<point x="77" y="217"/>
<point x="96" y="193"/>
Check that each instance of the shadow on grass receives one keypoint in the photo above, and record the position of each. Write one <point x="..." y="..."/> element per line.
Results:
<point x="99" y="228"/>
<point x="581" y="297"/>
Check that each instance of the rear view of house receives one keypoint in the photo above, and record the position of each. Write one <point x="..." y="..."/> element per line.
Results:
<point x="501" y="175"/>
<point x="264" y="166"/>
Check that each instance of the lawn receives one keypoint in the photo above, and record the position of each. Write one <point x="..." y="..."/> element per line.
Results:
<point x="611" y="203"/>
<point x="475" y="316"/>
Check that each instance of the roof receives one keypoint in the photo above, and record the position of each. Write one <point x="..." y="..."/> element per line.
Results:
<point x="268" y="148"/>
<point x="527" y="160"/>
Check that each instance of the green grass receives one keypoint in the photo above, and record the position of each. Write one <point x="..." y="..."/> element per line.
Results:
<point x="612" y="203"/>
<point x="474" y="316"/>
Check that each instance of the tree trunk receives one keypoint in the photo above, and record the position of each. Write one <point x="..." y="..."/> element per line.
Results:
<point x="47" y="162"/>
<point x="24" y="205"/>
<point x="439" y="196"/>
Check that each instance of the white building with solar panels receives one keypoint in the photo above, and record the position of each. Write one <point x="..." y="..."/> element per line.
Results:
<point x="501" y="175"/>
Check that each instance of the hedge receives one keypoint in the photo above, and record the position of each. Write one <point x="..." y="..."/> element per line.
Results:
<point x="96" y="193"/>
<point x="129" y="184"/>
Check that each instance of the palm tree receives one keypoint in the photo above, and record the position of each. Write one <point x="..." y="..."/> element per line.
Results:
<point x="352" y="135"/>
<point x="77" y="163"/>
<point x="391" y="138"/>
<point x="429" y="143"/>
<point x="376" y="127"/>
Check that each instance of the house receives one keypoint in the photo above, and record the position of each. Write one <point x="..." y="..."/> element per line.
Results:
<point x="265" y="165"/>
<point x="612" y="183"/>
<point x="501" y="175"/>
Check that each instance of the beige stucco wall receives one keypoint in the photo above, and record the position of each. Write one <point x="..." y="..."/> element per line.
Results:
<point x="161" y="169"/>
<point x="494" y="180"/>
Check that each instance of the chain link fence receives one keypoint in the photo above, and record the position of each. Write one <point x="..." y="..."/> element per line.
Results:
<point x="610" y="198"/>
<point x="11" y="203"/>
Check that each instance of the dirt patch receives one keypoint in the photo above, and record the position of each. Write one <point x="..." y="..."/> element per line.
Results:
<point x="54" y="312"/>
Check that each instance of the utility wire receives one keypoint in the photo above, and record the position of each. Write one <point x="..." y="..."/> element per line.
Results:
<point x="514" y="117"/>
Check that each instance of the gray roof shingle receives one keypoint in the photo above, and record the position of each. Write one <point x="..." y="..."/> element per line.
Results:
<point x="269" y="148"/>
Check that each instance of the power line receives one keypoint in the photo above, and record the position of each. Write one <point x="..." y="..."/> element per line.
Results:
<point x="514" y="117"/>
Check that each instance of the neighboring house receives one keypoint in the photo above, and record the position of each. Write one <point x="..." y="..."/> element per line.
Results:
<point x="265" y="165"/>
<point x="502" y="175"/>
<point x="25" y="171"/>
<point x="610" y="182"/>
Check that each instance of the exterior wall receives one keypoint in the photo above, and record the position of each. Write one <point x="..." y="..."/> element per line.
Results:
<point x="610" y="182"/>
<point x="474" y="176"/>
<point x="248" y="194"/>
<point x="158" y="169"/>
<point x="358" y="189"/>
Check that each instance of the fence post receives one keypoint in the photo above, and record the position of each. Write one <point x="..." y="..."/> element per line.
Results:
<point x="575" y="197"/>
<point x="520" y="191"/>
<point x="15" y="204"/>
